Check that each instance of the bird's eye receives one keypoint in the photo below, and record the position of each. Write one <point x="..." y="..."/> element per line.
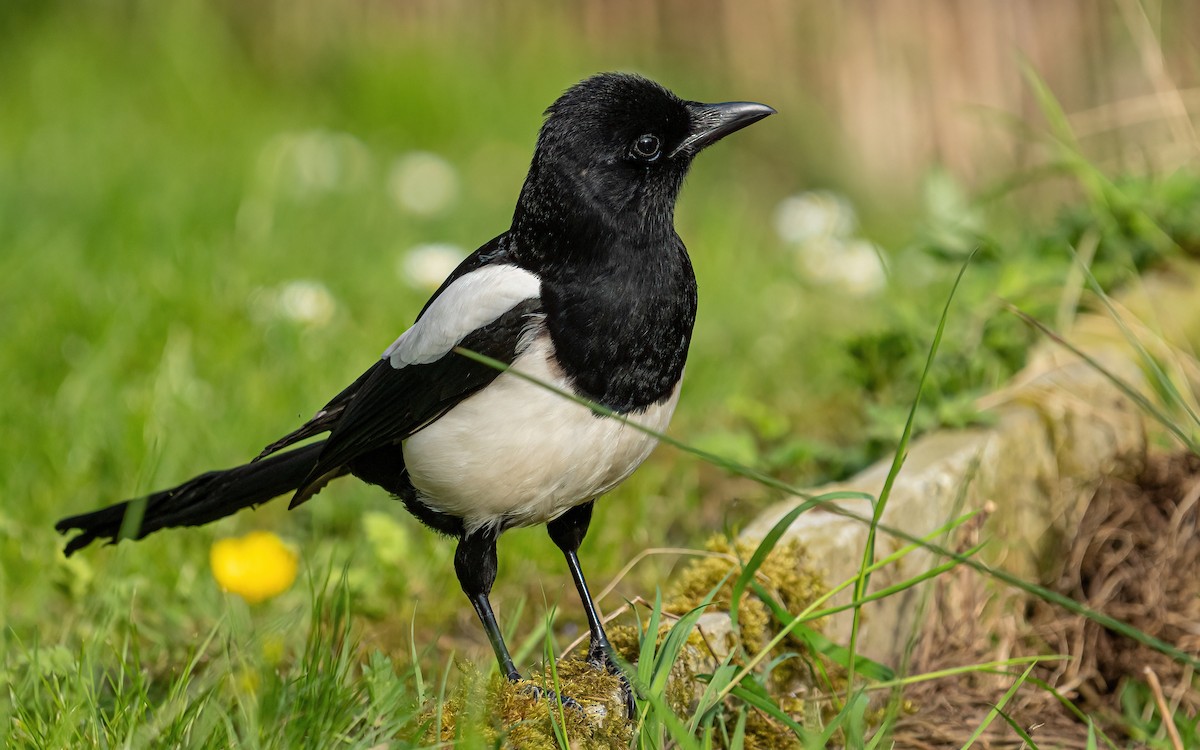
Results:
<point x="647" y="147"/>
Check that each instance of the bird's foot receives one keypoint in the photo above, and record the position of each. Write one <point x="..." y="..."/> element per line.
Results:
<point x="538" y="693"/>
<point x="600" y="657"/>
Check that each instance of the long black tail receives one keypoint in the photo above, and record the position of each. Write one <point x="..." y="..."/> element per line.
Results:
<point x="199" y="500"/>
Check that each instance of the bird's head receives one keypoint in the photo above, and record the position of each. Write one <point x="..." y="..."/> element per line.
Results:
<point x="620" y="145"/>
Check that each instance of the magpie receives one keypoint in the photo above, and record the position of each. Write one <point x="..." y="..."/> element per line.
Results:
<point x="590" y="290"/>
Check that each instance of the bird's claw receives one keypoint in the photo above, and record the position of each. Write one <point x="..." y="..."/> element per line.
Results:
<point x="600" y="657"/>
<point x="538" y="693"/>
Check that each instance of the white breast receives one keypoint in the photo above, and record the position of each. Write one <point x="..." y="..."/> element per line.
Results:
<point x="519" y="454"/>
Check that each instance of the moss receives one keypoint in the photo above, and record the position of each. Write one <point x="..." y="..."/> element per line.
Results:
<point x="788" y="577"/>
<point x="764" y="733"/>
<point x="511" y="716"/>
<point x="785" y="574"/>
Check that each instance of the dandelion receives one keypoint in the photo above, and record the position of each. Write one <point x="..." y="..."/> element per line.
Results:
<point x="423" y="183"/>
<point x="256" y="566"/>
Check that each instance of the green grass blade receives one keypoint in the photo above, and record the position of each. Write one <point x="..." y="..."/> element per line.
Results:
<point x="650" y="639"/>
<point x="1165" y="384"/>
<point x="558" y="721"/>
<point x="738" y="740"/>
<point x="1132" y="393"/>
<point x="992" y="714"/>
<point x="412" y="655"/>
<point x="761" y="700"/>
<point x="715" y="682"/>
<point x="850" y="721"/>
<point x="817" y="643"/>
<point x="868" y="559"/>
<point x="729" y="465"/>
<point x="764" y="548"/>
<point x="1020" y="730"/>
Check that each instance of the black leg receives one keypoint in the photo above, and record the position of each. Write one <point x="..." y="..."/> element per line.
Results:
<point x="567" y="531"/>
<point x="475" y="563"/>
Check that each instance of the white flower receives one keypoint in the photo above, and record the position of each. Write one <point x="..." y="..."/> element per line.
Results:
<point x="305" y="301"/>
<point x="423" y="183"/>
<point x="820" y="226"/>
<point x="813" y="215"/>
<point x="427" y="266"/>
<point x="312" y="162"/>
<point x="855" y="265"/>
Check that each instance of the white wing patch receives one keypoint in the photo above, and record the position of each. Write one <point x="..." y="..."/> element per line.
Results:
<point x="471" y="302"/>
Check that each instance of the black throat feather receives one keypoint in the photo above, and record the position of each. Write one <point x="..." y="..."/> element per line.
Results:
<point x="618" y="288"/>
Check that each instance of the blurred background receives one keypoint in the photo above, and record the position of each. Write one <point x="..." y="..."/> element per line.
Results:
<point x="213" y="215"/>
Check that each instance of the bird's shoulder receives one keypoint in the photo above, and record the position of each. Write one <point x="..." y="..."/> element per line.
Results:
<point x="485" y="286"/>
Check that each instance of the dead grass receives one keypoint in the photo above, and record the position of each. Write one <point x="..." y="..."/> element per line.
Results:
<point x="1135" y="556"/>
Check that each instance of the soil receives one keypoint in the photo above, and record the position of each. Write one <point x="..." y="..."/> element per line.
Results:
<point x="1135" y="556"/>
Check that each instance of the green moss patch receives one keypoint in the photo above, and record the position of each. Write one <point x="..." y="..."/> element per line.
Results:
<point x="511" y="715"/>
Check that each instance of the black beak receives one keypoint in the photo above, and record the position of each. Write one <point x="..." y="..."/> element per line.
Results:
<point x="712" y="122"/>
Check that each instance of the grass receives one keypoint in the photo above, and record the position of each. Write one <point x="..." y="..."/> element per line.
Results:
<point x="169" y="194"/>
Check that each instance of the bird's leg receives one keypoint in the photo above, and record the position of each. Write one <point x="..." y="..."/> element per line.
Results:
<point x="475" y="564"/>
<point x="567" y="531"/>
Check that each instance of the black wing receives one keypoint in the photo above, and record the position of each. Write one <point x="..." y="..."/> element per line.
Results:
<point x="495" y="251"/>
<point x="392" y="404"/>
<point x="388" y="403"/>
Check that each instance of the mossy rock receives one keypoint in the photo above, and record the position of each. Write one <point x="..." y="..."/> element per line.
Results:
<point x="512" y="716"/>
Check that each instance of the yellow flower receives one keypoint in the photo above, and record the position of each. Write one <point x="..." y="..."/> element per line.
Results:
<point x="256" y="566"/>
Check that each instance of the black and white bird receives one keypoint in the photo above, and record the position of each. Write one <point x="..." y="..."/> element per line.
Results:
<point x="590" y="290"/>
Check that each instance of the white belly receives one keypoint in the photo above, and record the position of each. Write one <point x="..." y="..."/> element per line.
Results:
<point x="518" y="454"/>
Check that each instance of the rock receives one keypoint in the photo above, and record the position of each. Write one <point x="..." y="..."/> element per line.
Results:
<point x="1061" y="426"/>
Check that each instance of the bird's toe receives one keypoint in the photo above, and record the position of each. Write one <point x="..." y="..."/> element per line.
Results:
<point x="537" y="692"/>
<point x="600" y="658"/>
